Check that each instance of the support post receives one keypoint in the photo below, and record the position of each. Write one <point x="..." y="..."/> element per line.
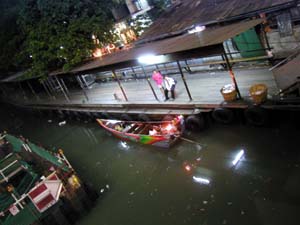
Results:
<point x="62" y="89"/>
<point x="184" y="81"/>
<point x="134" y="73"/>
<point x="64" y="85"/>
<point x="47" y="91"/>
<point x="150" y="85"/>
<point x="232" y="75"/>
<point x="119" y="83"/>
<point x="82" y="87"/>
<point x="22" y="90"/>
<point x="32" y="90"/>
<point x="265" y="37"/>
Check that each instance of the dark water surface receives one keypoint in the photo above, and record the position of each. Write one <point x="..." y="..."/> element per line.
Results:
<point x="149" y="186"/>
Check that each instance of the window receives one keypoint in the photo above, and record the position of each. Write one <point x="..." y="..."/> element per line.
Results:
<point x="284" y="23"/>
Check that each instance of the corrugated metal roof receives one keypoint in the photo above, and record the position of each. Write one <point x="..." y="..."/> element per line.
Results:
<point x="190" y="12"/>
<point x="209" y="37"/>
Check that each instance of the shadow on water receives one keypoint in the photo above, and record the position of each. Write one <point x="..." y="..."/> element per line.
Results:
<point x="188" y="184"/>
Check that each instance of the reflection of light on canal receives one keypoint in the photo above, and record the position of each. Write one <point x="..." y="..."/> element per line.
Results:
<point x="238" y="157"/>
<point x="201" y="180"/>
<point x="123" y="145"/>
<point x="188" y="168"/>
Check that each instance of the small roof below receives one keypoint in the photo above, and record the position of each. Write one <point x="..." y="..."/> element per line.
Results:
<point x="210" y="39"/>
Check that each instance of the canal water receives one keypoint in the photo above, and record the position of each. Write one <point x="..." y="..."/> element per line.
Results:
<point x="191" y="184"/>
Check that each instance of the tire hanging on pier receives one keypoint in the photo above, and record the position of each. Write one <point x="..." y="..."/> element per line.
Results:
<point x="223" y="115"/>
<point x="195" y="123"/>
<point x="126" y="117"/>
<point x="105" y="115"/>
<point x="143" y="117"/>
<point x="256" y="116"/>
<point x="168" y="118"/>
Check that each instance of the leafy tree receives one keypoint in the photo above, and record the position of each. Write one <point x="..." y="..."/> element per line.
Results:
<point x="10" y="38"/>
<point x="58" y="34"/>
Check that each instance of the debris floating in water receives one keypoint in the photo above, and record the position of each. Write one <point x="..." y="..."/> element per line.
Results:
<point x="62" y="123"/>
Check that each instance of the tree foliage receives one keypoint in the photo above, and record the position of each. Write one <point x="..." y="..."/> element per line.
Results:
<point x="44" y="35"/>
<point x="10" y="38"/>
<point x="59" y="33"/>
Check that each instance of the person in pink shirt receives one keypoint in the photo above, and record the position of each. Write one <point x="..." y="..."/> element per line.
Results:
<point x="158" y="78"/>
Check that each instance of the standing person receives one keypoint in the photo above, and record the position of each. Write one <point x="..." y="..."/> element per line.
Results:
<point x="158" y="78"/>
<point x="169" y="86"/>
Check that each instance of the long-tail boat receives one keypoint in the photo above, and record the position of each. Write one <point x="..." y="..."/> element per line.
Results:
<point x="161" y="134"/>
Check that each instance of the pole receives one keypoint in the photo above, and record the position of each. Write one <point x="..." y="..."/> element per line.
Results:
<point x="82" y="87"/>
<point x="46" y="89"/>
<point x="150" y="85"/>
<point x="119" y="83"/>
<point x="232" y="75"/>
<point x="184" y="81"/>
<point x="32" y="90"/>
<point x="22" y="90"/>
<point x="64" y="85"/>
<point x="62" y="89"/>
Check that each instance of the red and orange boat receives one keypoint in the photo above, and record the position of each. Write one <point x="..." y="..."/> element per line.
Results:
<point x="161" y="134"/>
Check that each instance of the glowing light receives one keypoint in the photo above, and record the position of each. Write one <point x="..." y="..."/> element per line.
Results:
<point x="238" y="157"/>
<point x="169" y="127"/>
<point x="124" y="144"/>
<point x="188" y="168"/>
<point x="151" y="59"/>
<point x="201" y="180"/>
<point x="97" y="53"/>
<point x="197" y="29"/>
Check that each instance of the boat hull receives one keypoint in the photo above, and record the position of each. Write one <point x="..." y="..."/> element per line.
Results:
<point x="162" y="141"/>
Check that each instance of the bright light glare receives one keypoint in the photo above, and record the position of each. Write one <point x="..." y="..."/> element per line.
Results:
<point x="151" y="59"/>
<point x="169" y="127"/>
<point x="238" y="157"/>
<point x="188" y="168"/>
<point x="124" y="144"/>
<point x="97" y="53"/>
<point x="197" y="29"/>
<point x="201" y="180"/>
<point x="113" y="121"/>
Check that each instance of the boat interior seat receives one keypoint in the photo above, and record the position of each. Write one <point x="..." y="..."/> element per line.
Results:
<point x="138" y="129"/>
<point x="145" y="130"/>
<point x="129" y="128"/>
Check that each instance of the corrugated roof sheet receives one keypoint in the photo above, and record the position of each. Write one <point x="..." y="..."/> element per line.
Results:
<point x="190" y="12"/>
<point x="210" y="36"/>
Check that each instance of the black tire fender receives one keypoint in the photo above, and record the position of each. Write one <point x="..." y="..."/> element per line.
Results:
<point x="168" y="118"/>
<point x="223" y="115"/>
<point x="126" y="117"/>
<point x="195" y="123"/>
<point x="143" y="117"/>
<point x="256" y="116"/>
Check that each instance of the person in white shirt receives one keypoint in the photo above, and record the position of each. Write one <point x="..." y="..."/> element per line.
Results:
<point x="169" y="84"/>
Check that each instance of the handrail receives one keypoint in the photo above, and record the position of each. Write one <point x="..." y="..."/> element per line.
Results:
<point x="285" y="60"/>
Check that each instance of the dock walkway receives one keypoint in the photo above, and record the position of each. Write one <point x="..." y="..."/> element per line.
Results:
<point x="204" y="88"/>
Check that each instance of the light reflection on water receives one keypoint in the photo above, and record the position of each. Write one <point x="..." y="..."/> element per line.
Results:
<point x="148" y="186"/>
